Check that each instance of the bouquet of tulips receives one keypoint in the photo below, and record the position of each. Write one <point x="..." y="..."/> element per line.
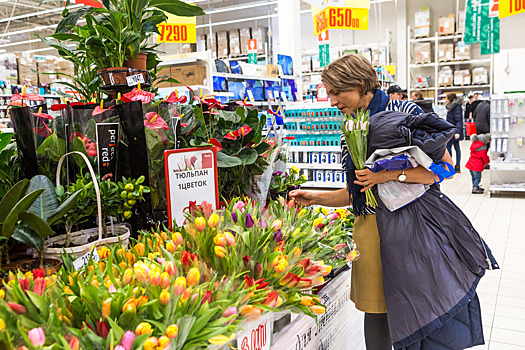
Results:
<point x="355" y="130"/>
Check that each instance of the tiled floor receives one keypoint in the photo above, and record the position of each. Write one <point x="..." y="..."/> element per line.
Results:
<point x="500" y="220"/>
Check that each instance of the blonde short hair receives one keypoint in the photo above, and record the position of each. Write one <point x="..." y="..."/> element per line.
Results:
<point x="351" y="71"/>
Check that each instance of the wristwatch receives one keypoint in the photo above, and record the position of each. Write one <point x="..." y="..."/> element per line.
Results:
<point x="402" y="177"/>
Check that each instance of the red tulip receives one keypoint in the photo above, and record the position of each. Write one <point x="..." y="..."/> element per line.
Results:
<point x="24" y="284"/>
<point x="17" y="308"/>
<point x="206" y="298"/>
<point x="40" y="286"/>
<point x="271" y="299"/>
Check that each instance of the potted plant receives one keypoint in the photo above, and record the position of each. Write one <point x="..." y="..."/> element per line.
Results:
<point x="285" y="182"/>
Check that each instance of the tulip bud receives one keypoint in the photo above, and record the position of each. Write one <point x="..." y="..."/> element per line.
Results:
<point x="297" y="252"/>
<point x="164" y="342"/>
<point x="165" y="280"/>
<point x="2" y="324"/>
<point x="307" y="300"/>
<point x="279" y="301"/>
<point x="364" y="126"/>
<point x="302" y="212"/>
<point x="170" y="247"/>
<point x="200" y="224"/>
<point x="220" y="252"/>
<point x="106" y="308"/>
<point x="326" y="269"/>
<point x="140" y="274"/>
<point x="186" y="295"/>
<point x="213" y="221"/>
<point x="37" y="337"/>
<point x="17" y="308"/>
<point x="318" y="309"/>
<point x="170" y="268"/>
<point x="40" y="286"/>
<point x="177" y="238"/>
<point x="249" y="221"/>
<point x="140" y="248"/>
<point x="262" y="224"/>
<point x="220" y="240"/>
<point x="352" y="256"/>
<point x="278" y="236"/>
<point x="127" y="340"/>
<point x="2" y="294"/>
<point x="164" y="297"/>
<point x="230" y="311"/>
<point x="229" y="238"/>
<point x="74" y="344"/>
<point x="271" y="299"/>
<point x="193" y="277"/>
<point x="239" y="205"/>
<point x="172" y="331"/>
<point x="276" y="225"/>
<point x="150" y="344"/>
<point x="143" y="328"/>
<point x="318" y="222"/>
<point x="180" y="285"/>
<point x="154" y="277"/>
<point x="291" y="203"/>
<point x="119" y="347"/>
<point x="339" y="246"/>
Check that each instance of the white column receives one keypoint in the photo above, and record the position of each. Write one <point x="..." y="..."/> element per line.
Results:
<point x="401" y="42"/>
<point x="289" y="38"/>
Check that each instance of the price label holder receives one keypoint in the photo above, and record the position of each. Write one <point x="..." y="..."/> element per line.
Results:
<point x="284" y="97"/>
<point x="135" y="79"/>
<point x="270" y="95"/>
<point x="257" y="334"/>
<point x="83" y="261"/>
<point x="250" y="95"/>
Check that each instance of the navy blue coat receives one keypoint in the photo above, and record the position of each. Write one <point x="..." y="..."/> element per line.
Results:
<point x="432" y="257"/>
<point x="455" y="117"/>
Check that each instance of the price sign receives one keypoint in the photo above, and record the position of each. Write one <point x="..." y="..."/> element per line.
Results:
<point x="511" y="7"/>
<point x="83" y="261"/>
<point x="257" y="335"/>
<point x="135" y="79"/>
<point x="177" y="33"/>
<point x="341" y="18"/>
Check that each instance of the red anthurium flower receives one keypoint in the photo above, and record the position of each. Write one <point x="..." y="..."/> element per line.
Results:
<point x="231" y="135"/>
<point x="212" y="112"/>
<point x="58" y="107"/>
<point x="30" y="97"/>
<point x="91" y="147"/>
<point x="136" y="95"/>
<point x="190" y="88"/>
<point x="216" y="144"/>
<point x="174" y="98"/>
<point x="44" y="132"/>
<point x="213" y="102"/>
<point x="155" y="121"/>
<point x="245" y="130"/>
<point x="244" y="103"/>
<point x="98" y="110"/>
<point x="43" y="116"/>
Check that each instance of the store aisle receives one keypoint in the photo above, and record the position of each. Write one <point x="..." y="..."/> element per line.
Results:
<point x="501" y="222"/>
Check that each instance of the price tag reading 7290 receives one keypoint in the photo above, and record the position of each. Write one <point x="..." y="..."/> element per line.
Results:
<point x="177" y="33"/>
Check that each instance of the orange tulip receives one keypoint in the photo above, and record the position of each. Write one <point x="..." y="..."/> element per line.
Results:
<point x="154" y="277"/>
<point x="220" y="240"/>
<point x="307" y="300"/>
<point x="143" y="328"/>
<point x="250" y="312"/>
<point x="164" y="342"/>
<point x="150" y="344"/>
<point x="164" y="297"/>
<point x="140" y="248"/>
<point x="129" y="304"/>
<point x="193" y="277"/>
<point x="106" y="308"/>
<point x="128" y="276"/>
<point x="170" y="268"/>
<point x="186" y="295"/>
<point x="172" y="331"/>
<point x="180" y="285"/>
<point x="200" y="224"/>
<point x="165" y="280"/>
<point x="164" y="236"/>
<point x="220" y="252"/>
<point x="318" y="309"/>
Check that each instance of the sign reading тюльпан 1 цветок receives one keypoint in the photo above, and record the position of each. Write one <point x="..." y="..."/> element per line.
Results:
<point x="191" y="176"/>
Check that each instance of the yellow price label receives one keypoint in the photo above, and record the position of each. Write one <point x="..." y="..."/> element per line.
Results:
<point x="511" y="7"/>
<point x="340" y="18"/>
<point x="177" y="33"/>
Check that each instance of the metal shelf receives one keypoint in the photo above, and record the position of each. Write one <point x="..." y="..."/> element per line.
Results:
<point x="313" y="132"/>
<point x="476" y="61"/>
<point x="245" y="77"/>
<point x="423" y="65"/>
<point x="331" y="166"/>
<point x="323" y="184"/>
<point x="434" y="38"/>
<point x="180" y="61"/>
<point x="315" y="148"/>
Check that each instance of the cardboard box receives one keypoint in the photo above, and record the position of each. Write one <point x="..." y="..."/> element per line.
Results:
<point x="480" y="76"/>
<point x="447" y="25"/>
<point x="461" y="24"/>
<point x="462" y="51"/>
<point x="272" y="71"/>
<point x="189" y="75"/>
<point x="222" y="44"/>
<point x="445" y="52"/>
<point x="306" y="63"/>
<point x="462" y="77"/>
<point x="422" y="81"/>
<point x="261" y="35"/>
<point x="445" y="76"/>
<point x="422" y="23"/>
<point x="245" y="34"/>
<point x="212" y="44"/>
<point x="201" y="42"/>
<point x="166" y="71"/>
<point x="9" y="68"/>
<point x="235" y="42"/>
<point x="26" y="68"/>
<point x="422" y="53"/>
<point x="46" y="66"/>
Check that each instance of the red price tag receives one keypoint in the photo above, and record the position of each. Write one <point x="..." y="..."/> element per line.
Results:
<point x="177" y="33"/>
<point x="340" y="17"/>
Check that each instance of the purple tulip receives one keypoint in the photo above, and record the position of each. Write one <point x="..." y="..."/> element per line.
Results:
<point x="249" y="221"/>
<point x="262" y="224"/>
<point x="278" y="235"/>
<point x="127" y="340"/>
<point x="234" y="217"/>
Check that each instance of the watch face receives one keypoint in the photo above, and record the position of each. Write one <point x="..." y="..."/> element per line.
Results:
<point x="402" y="177"/>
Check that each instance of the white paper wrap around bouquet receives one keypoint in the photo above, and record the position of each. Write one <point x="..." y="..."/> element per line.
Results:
<point x="396" y="194"/>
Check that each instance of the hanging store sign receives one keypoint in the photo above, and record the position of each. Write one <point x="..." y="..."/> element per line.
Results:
<point x="191" y="176"/>
<point x="473" y="21"/>
<point x="491" y="37"/>
<point x="92" y="3"/>
<point x="324" y="49"/>
<point x="252" y="51"/>
<point x="178" y="29"/>
<point x="511" y="7"/>
<point x="340" y="18"/>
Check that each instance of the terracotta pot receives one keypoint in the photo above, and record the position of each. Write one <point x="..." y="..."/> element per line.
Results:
<point x="56" y="264"/>
<point x="139" y="64"/>
<point x="104" y="76"/>
<point x="118" y="77"/>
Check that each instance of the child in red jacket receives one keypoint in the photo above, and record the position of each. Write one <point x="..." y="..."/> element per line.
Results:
<point x="477" y="161"/>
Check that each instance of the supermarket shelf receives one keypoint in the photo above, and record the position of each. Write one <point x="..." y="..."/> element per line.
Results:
<point x="317" y="119"/>
<point x="478" y="61"/>
<point x="313" y="132"/>
<point x="423" y="65"/>
<point x="423" y="88"/>
<point x="506" y="188"/>
<point x="439" y="38"/>
<point x="332" y="166"/>
<point x="244" y="77"/>
<point x="180" y="61"/>
<point x="508" y="166"/>
<point x="312" y="73"/>
<point x="323" y="184"/>
<point x="463" y="87"/>
<point x="315" y="148"/>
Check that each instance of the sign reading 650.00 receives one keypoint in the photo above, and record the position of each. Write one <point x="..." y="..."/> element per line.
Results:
<point x="341" y="18"/>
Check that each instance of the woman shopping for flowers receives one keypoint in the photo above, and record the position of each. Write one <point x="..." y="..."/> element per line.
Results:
<point x="419" y="265"/>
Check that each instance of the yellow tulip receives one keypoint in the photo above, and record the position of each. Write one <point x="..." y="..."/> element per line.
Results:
<point x="151" y="343"/>
<point x="164" y="342"/>
<point x="193" y="277"/>
<point x="213" y="221"/>
<point x="140" y="274"/>
<point x="143" y="328"/>
<point x="2" y="325"/>
<point x="140" y="248"/>
<point x="220" y="252"/>
<point x="302" y="212"/>
<point x="318" y="309"/>
<point x="307" y="301"/>
<point x="220" y="240"/>
<point x="318" y="221"/>
<point x="170" y="247"/>
<point x="200" y="224"/>
<point x="221" y="339"/>
<point x="165" y="280"/>
<point x="164" y="297"/>
<point x="2" y="294"/>
<point x="172" y="331"/>
<point x="164" y="236"/>
<point x="180" y="285"/>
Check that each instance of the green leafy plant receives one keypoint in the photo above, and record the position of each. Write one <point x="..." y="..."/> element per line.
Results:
<point x="9" y="167"/>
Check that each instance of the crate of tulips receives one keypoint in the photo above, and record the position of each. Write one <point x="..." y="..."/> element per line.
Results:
<point x="193" y="287"/>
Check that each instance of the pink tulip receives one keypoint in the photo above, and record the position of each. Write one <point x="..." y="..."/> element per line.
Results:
<point x="170" y="268"/>
<point x="239" y="205"/>
<point x="37" y="337"/>
<point x="349" y="125"/>
<point x="230" y="311"/>
<point x="127" y="340"/>
<point x="112" y="288"/>
<point x="333" y="216"/>
<point x="364" y="125"/>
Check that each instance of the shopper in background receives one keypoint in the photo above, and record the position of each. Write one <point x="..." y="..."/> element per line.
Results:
<point x="405" y="97"/>
<point x="468" y="107"/>
<point x="475" y="103"/>
<point x="482" y="118"/>
<point x="395" y="92"/>
<point x="477" y="161"/>
<point x="425" y="105"/>
<point x="351" y="82"/>
<point x="455" y="117"/>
